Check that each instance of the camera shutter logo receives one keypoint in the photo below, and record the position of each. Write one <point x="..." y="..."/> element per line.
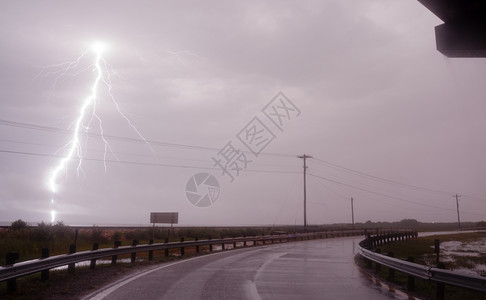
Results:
<point x="202" y="189"/>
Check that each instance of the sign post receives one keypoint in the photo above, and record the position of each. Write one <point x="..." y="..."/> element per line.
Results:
<point x="164" y="218"/>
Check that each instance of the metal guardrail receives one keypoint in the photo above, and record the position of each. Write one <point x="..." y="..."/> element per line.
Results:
<point x="474" y="282"/>
<point x="41" y="264"/>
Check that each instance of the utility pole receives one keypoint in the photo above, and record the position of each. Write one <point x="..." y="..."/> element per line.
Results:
<point x="305" y="196"/>
<point x="352" y="211"/>
<point x="457" y="204"/>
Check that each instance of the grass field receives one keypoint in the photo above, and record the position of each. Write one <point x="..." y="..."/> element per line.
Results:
<point x="422" y="250"/>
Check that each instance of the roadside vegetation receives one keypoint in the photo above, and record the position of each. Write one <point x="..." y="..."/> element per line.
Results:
<point x="28" y="242"/>
<point x="422" y="250"/>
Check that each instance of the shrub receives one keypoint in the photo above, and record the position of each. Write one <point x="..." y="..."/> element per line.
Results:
<point x="18" y="225"/>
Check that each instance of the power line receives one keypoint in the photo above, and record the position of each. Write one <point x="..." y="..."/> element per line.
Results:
<point x="146" y="163"/>
<point x="377" y="178"/>
<point x="331" y="190"/>
<point x="384" y="195"/>
<point x="352" y="191"/>
<point x="126" y="139"/>
<point x="32" y="126"/>
<point x="126" y="153"/>
<point x="379" y="188"/>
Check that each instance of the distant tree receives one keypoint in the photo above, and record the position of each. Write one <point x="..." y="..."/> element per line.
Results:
<point x="62" y="231"/>
<point x="43" y="232"/>
<point x="481" y="224"/>
<point x="412" y="223"/>
<point x="18" y="225"/>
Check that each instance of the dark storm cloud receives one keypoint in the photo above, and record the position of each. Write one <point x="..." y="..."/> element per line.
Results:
<point x="374" y="94"/>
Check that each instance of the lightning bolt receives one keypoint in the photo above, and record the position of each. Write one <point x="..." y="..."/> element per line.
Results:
<point x="86" y="115"/>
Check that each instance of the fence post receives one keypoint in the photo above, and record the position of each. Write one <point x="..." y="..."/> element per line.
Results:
<point x="116" y="244"/>
<point x="10" y="259"/>
<point x="411" y="279"/>
<point x="151" y="252"/>
<point x="440" y="286"/>
<point x="93" y="261"/>
<point x="134" y="254"/>
<point x="72" y="249"/>
<point x="437" y="250"/>
<point x="45" y="273"/>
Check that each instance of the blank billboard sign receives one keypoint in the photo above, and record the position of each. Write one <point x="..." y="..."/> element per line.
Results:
<point x="164" y="217"/>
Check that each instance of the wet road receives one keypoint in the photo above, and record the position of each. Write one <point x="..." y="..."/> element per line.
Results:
<point x="316" y="269"/>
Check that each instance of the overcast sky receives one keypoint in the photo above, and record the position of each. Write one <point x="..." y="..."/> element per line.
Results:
<point x="387" y="119"/>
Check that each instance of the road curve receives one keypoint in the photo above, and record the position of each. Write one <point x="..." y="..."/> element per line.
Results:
<point x="315" y="269"/>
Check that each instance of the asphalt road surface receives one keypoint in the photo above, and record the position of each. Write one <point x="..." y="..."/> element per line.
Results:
<point x="316" y="269"/>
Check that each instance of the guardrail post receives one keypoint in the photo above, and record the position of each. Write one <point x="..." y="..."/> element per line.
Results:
<point x="197" y="247"/>
<point x="234" y="244"/>
<point x="166" y="250"/>
<point x="411" y="279"/>
<point x="151" y="252"/>
<point x="391" y="271"/>
<point x="222" y="246"/>
<point x="72" y="249"/>
<point x="369" y="263"/>
<point x="92" y="265"/>
<point x="45" y="273"/>
<point x="377" y="265"/>
<point x="210" y="245"/>
<point x="116" y="244"/>
<point x="10" y="259"/>
<point x="440" y="286"/>
<point x="182" y="248"/>
<point x="134" y="254"/>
